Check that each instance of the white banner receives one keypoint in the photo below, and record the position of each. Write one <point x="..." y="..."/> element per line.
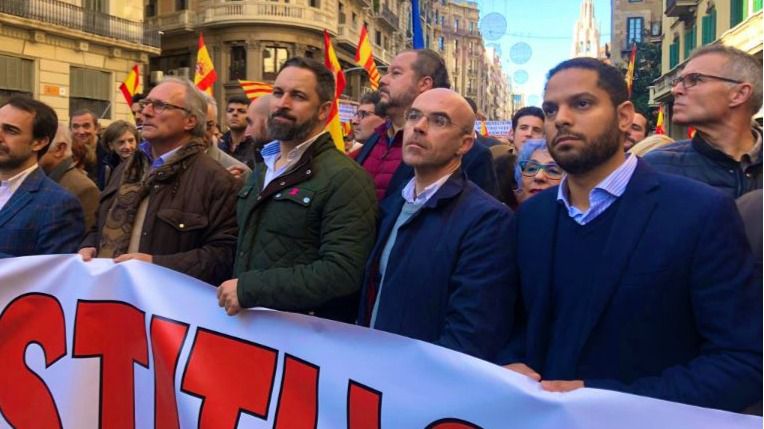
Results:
<point x="135" y="345"/>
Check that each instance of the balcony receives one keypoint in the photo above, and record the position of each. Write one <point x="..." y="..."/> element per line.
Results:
<point x="184" y="20"/>
<point x="387" y="16"/>
<point x="680" y="8"/>
<point x="347" y="36"/>
<point x="71" y="17"/>
<point x="266" y="12"/>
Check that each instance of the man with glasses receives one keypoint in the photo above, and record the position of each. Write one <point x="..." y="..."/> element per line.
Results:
<point x="440" y="268"/>
<point x="632" y="280"/>
<point x="367" y="117"/>
<point x="717" y="93"/>
<point x="170" y="204"/>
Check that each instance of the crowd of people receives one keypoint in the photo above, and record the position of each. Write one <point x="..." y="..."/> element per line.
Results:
<point x="582" y="253"/>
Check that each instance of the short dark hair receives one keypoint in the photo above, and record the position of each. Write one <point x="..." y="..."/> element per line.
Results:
<point x="238" y="99"/>
<point x="430" y="63"/>
<point x="609" y="78"/>
<point x="85" y="111"/>
<point x="527" y="111"/>
<point x="137" y="98"/>
<point x="324" y="77"/>
<point x="115" y="130"/>
<point x="472" y="104"/>
<point x="372" y="98"/>
<point x="45" y="122"/>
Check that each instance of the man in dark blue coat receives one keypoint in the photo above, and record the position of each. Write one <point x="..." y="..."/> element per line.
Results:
<point x="37" y="216"/>
<point x="440" y="270"/>
<point x="631" y="280"/>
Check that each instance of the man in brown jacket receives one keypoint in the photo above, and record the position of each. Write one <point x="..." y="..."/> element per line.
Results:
<point x="59" y="167"/>
<point x="170" y="204"/>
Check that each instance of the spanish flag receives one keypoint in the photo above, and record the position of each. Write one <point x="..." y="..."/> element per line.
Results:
<point x="254" y="90"/>
<point x="659" y="123"/>
<point x="483" y="128"/>
<point x="364" y="57"/>
<point x="205" y="75"/>
<point x="630" y="69"/>
<point x="347" y="128"/>
<point x="130" y="86"/>
<point x="333" y="124"/>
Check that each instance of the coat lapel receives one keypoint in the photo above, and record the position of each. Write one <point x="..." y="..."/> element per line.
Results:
<point x="634" y="212"/>
<point x="22" y="196"/>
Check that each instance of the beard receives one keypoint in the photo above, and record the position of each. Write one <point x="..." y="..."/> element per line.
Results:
<point x="594" y="153"/>
<point x="10" y="161"/>
<point x="403" y="101"/>
<point x="290" y="132"/>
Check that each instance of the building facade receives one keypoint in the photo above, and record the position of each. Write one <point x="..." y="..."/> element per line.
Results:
<point x="633" y="21"/>
<point x="586" y="33"/>
<point x="73" y="54"/>
<point x="689" y="24"/>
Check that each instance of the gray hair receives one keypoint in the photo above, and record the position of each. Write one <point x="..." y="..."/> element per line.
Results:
<point x="740" y="66"/>
<point x="194" y="102"/>
<point x="526" y="152"/>
<point x="211" y="102"/>
<point x="63" y="135"/>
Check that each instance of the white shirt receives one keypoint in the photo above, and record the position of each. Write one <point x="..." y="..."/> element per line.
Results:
<point x="10" y="186"/>
<point x="272" y="153"/>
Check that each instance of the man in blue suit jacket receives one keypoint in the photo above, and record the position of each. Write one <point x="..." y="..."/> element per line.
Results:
<point x="440" y="269"/>
<point x="36" y="215"/>
<point x="631" y="280"/>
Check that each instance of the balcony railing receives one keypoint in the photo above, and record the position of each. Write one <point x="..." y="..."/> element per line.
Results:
<point x="77" y="18"/>
<point x="678" y="8"/>
<point x="253" y="11"/>
<point x="388" y="16"/>
<point x="181" y="20"/>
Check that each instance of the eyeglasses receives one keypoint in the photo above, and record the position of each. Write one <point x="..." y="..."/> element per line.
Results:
<point x="160" y="106"/>
<point x="691" y="79"/>
<point x="531" y="168"/>
<point x="437" y="120"/>
<point x="362" y="114"/>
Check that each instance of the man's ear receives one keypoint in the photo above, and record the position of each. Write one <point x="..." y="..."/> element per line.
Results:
<point x="625" y="115"/>
<point x="424" y="84"/>
<point x="467" y="142"/>
<point x="324" y="110"/>
<point x="741" y="94"/>
<point x="191" y="122"/>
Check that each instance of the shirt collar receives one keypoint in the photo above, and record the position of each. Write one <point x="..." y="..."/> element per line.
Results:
<point x="409" y="191"/>
<point x="18" y="179"/>
<point x="754" y="156"/>
<point x="156" y="163"/>
<point x="614" y="184"/>
<point x="271" y="152"/>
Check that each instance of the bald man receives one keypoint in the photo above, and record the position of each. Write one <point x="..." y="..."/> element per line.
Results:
<point x="257" y="118"/>
<point x="237" y="168"/>
<point x="439" y="271"/>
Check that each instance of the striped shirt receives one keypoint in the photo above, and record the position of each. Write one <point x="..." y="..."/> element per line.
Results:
<point x="602" y="196"/>
<point x="272" y="152"/>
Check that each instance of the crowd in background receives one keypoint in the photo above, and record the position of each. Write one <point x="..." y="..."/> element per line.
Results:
<point x="581" y="251"/>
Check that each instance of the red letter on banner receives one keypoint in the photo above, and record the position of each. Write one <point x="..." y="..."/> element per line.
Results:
<point x="115" y="332"/>
<point x="231" y="375"/>
<point x="452" y="424"/>
<point x="25" y="400"/>
<point x="298" y="400"/>
<point x="167" y="337"/>
<point x="364" y="407"/>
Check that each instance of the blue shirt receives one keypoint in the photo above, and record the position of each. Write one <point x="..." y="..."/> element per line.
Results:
<point x="156" y="163"/>
<point x="602" y="196"/>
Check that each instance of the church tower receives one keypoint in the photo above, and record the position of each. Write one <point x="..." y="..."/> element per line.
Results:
<point x="586" y="35"/>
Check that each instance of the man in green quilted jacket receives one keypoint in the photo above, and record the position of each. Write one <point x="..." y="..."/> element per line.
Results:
<point x="307" y="215"/>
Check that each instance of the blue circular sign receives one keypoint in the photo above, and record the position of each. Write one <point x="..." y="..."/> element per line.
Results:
<point x="520" y="52"/>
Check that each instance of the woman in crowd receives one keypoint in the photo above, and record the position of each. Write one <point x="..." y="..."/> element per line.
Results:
<point x="536" y="170"/>
<point x="121" y="138"/>
<point x="650" y="143"/>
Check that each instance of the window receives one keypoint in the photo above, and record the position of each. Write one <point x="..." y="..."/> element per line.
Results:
<point x="16" y="77"/>
<point x="756" y="5"/>
<point x="634" y="29"/>
<point x="709" y="27"/>
<point x="341" y="13"/>
<point x="441" y="43"/>
<point x="238" y="68"/>
<point x="315" y="3"/>
<point x="442" y="20"/>
<point x="354" y="17"/>
<point x="674" y="52"/>
<point x="273" y="58"/>
<point x="90" y="89"/>
<point x="456" y="24"/>
<point x="472" y="26"/>
<point x="738" y="10"/>
<point x="378" y="38"/>
<point x="181" y="4"/>
<point x="689" y="40"/>
<point x="151" y="8"/>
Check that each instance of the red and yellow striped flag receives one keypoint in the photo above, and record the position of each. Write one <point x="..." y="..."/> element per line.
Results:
<point x="333" y="124"/>
<point x="483" y="128"/>
<point x="130" y="86"/>
<point x="364" y="57"/>
<point x="659" y="122"/>
<point x="254" y="90"/>
<point x="205" y="74"/>
<point x="630" y="69"/>
<point x="347" y="128"/>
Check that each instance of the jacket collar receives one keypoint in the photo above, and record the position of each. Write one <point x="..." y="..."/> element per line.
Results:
<point x="705" y="149"/>
<point x="23" y="195"/>
<point x="60" y="170"/>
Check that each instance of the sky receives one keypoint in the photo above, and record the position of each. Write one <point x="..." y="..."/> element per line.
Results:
<point x="546" y="26"/>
